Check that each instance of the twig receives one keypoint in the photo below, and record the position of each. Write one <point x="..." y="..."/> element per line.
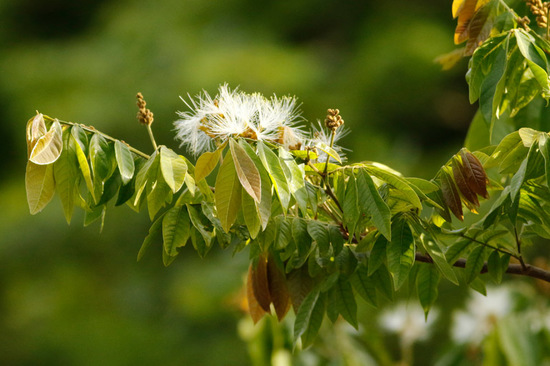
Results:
<point x="93" y="130"/>
<point x="513" y="268"/>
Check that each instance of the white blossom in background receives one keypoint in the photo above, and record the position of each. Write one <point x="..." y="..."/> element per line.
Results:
<point x="233" y="113"/>
<point x="481" y="315"/>
<point x="408" y="321"/>
<point x="322" y="135"/>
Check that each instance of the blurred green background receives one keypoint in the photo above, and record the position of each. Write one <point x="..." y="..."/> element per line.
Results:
<point x="72" y="296"/>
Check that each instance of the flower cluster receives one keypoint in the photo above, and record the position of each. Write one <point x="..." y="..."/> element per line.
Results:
<point x="233" y="113"/>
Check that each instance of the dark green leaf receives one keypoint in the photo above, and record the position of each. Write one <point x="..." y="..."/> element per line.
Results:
<point x="309" y="318"/>
<point x="371" y="202"/>
<point x="427" y="281"/>
<point x="400" y="252"/>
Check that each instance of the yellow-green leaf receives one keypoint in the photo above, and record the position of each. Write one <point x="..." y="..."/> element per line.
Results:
<point x="36" y="128"/>
<point x="227" y="193"/>
<point x="207" y="162"/>
<point x="40" y="186"/>
<point x="125" y="161"/>
<point x="173" y="168"/>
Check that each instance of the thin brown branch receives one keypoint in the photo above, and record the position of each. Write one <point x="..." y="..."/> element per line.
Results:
<point x="513" y="268"/>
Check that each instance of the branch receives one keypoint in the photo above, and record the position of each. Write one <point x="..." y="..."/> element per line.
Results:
<point x="517" y="269"/>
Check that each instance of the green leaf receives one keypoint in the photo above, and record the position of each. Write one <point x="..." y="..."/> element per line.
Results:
<point x="383" y="282"/>
<point x="545" y="151"/>
<point x="158" y="192"/>
<point x="40" y="186"/>
<point x="251" y="215"/>
<point x="83" y="163"/>
<point x="246" y="171"/>
<point x="364" y="285"/>
<point x="309" y="318"/>
<point x="319" y="232"/>
<point x="148" y="171"/>
<point x="534" y="56"/>
<point x="342" y="299"/>
<point x="296" y="181"/>
<point x="67" y="175"/>
<point x="173" y="168"/>
<point x="264" y="207"/>
<point x="351" y="206"/>
<point x="227" y="193"/>
<point x="497" y="265"/>
<point x="175" y="229"/>
<point x="400" y="252"/>
<point x="102" y="162"/>
<point x="373" y="204"/>
<point x="456" y="250"/>
<point x="377" y="254"/>
<point x="435" y="252"/>
<point x="47" y="148"/>
<point x="397" y="182"/>
<point x="273" y="166"/>
<point x="475" y="262"/>
<point x="125" y="161"/>
<point x="427" y="281"/>
<point x="202" y="242"/>
<point x="153" y="230"/>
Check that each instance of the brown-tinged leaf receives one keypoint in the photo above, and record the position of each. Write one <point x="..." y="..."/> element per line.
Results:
<point x="299" y="285"/>
<point x="473" y="25"/>
<point x="278" y="290"/>
<point x="475" y="174"/>
<point x="450" y="194"/>
<point x="461" y="182"/>
<point x="254" y="308"/>
<point x="246" y="171"/>
<point x="260" y="283"/>
<point x="450" y="59"/>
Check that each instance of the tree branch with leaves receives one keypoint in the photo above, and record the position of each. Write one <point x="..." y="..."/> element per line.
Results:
<point x="320" y="231"/>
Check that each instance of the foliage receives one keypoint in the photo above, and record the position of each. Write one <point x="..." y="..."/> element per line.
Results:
<point x="320" y="231"/>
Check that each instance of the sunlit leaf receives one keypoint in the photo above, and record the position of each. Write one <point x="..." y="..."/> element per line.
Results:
<point x="173" y="168"/>
<point x="175" y="229"/>
<point x="371" y="203"/>
<point x="207" y="162"/>
<point x="273" y="166"/>
<point x="83" y="162"/>
<point x="125" y="161"/>
<point x="47" y="148"/>
<point x="227" y="193"/>
<point x="67" y="175"/>
<point x="36" y="128"/>
<point x="246" y="171"/>
<point x="40" y="186"/>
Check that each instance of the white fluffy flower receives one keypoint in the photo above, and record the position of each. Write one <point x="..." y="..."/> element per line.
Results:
<point x="323" y="136"/>
<point x="481" y="315"/>
<point x="408" y="321"/>
<point x="233" y="113"/>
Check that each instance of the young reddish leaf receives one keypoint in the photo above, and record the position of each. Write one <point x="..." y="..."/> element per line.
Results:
<point x="260" y="283"/>
<point x="475" y="174"/>
<point x="299" y="285"/>
<point x="254" y="308"/>
<point x="450" y="195"/>
<point x="465" y="10"/>
<point x="461" y="182"/>
<point x="278" y="290"/>
<point x="479" y="28"/>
